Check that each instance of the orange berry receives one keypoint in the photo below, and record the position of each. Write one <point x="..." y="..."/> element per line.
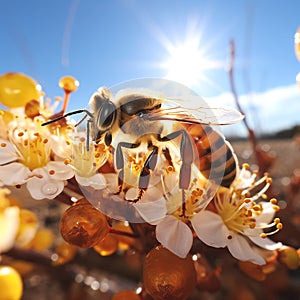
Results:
<point x="107" y="246"/>
<point x="32" y="108"/>
<point x="83" y="226"/>
<point x="167" y="276"/>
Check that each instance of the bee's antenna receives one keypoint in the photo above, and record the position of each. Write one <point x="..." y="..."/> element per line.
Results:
<point x="70" y="114"/>
<point x="90" y="120"/>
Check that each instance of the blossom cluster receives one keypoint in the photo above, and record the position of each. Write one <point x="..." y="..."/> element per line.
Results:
<point x="44" y="158"/>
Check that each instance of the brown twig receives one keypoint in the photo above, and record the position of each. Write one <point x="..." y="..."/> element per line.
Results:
<point x="251" y="133"/>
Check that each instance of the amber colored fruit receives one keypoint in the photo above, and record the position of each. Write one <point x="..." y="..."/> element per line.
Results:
<point x="64" y="252"/>
<point x="126" y="295"/>
<point x="167" y="276"/>
<point x="32" y="108"/>
<point x="124" y="241"/>
<point x="11" y="285"/>
<point x="289" y="257"/>
<point x="16" y="89"/>
<point x="69" y="84"/>
<point x="42" y="240"/>
<point x="107" y="246"/>
<point x="83" y="226"/>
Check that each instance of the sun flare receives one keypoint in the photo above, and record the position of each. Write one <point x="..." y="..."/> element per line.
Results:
<point x="187" y="63"/>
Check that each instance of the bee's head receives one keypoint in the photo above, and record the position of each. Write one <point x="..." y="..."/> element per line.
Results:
<point x="104" y="111"/>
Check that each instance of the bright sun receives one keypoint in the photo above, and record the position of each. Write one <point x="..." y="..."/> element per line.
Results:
<point x="186" y="63"/>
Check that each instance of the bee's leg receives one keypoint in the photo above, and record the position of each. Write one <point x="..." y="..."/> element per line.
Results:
<point x="167" y="155"/>
<point x="144" y="178"/>
<point x="187" y="157"/>
<point x="120" y="162"/>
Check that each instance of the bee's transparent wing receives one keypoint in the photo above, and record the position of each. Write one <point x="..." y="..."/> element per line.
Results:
<point x="223" y="115"/>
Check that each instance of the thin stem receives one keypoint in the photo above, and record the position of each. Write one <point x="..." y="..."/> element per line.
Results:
<point x="252" y="136"/>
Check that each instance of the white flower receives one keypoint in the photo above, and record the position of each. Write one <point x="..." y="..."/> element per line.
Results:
<point x="169" y="216"/>
<point x="233" y="221"/>
<point x="26" y="158"/>
<point x="238" y="219"/>
<point x="86" y="162"/>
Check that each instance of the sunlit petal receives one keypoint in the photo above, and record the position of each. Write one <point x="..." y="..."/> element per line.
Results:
<point x="9" y="225"/>
<point x="241" y="250"/>
<point x="97" y="181"/>
<point x="14" y="173"/>
<point x="152" y="212"/>
<point x="268" y="214"/>
<point x="45" y="187"/>
<point x="265" y="243"/>
<point x="210" y="229"/>
<point x="112" y="182"/>
<point x="61" y="170"/>
<point x="175" y="235"/>
<point x="7" y="153"/>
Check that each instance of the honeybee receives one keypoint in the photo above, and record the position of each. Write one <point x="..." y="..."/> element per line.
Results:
<point x="136" y="118"/>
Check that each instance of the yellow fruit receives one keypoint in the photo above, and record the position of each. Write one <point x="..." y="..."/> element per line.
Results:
<point x="16" y="89"/>
<point x="42" y="240"/>
<point x="28" y="227"/>
<point x="11" y="285"/>
<point x="289" y="257"/>
<point x="69" y="84"/>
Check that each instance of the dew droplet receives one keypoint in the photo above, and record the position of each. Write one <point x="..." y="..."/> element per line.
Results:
<point x="50" y="188"/>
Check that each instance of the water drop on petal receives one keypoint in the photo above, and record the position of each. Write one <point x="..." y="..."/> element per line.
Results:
<point x="50" y="188"/>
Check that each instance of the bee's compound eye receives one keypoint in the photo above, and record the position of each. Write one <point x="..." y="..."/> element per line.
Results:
<point x="107" y="114"/>
<point x="141" y="114"/>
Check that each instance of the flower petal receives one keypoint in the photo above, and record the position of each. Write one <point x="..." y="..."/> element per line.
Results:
<point x="210" y="229"/>
<point x="45" y="187"/>
<point x="267" y="214"/>
<point x="152" y="212"/>
<point x="61" y="170"/>
<point x="7" y="153"/>
<point x="112" y="182"/>
<point x="14" y="173"/>
<point x="96" y="181"/>
<point x="241" y="250"/>
<point x="9" y="226"/>
<point x="175" y="235"/>
<point x="265" y="243"/>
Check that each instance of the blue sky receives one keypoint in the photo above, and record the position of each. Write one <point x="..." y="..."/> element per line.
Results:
<point x="106" y="42"/>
